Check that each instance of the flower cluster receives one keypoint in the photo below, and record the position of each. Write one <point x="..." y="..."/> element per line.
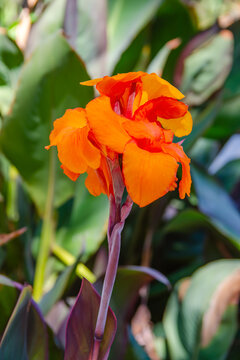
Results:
<point x="134" y="120"/>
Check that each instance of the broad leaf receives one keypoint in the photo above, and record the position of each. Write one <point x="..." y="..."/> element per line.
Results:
<point x="26" y="325"/>
<point x="13" y="344"/>
<point x="201" y="315"/>
<point x="11" y="59"/>
<point x="57" y="291"/>
<point x="81" y="326"/>
<point x="203" y="73"/>
<point x="214" y="202"/>
<point x="49" y="85"/>
<point x="86" y="228"/>
<point x="126" y="17"/>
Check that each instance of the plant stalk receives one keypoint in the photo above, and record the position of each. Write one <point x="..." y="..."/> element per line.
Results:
<point x="46" y="234"/>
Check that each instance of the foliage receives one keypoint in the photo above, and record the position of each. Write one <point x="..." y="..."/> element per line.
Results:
<point x="195" y="243"/>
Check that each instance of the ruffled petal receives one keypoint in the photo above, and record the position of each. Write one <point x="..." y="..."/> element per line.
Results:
<point x="177" y="152"/>
<point x="72" y="119"/>
<point x="148" y="176"/>
<point x="106" y="125"/>
<point x="180" y="126"/>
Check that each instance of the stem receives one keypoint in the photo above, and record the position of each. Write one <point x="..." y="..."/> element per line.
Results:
<point x="46" y="234"/>
<point x="109" y="280"/>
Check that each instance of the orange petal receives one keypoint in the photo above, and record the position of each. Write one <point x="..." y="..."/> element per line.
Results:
<point x="91" y="82"/>
<point x="148" y="176"/>
<point x="72" y="119"/>
<point x="180" y="126"/>
<point x="70" y="154"/>
<point x="114" y="86"/>
<point x="99" y="181"/>
<point x="73" y="176"/>
<point x="155" y="87"/>
<point x="143" y="129"/>
<point x="88" y="151"/>
<point x="163" y="107"/>
<point x="93" y="183"/>
<point x="106" y="125"/>
<point x="177" y="152"/>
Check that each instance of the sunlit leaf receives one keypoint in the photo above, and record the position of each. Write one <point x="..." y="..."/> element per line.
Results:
<point x="201" y="315"/>
<point x="49" y="85"/>
<point x="126" y="17"/>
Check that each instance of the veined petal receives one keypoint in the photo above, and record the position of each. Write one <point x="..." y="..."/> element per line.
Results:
<point x="148" y="176"/>
<point x="177" y="152"/>
<point x="180" y="126"/>
<point x="106" y="125"/>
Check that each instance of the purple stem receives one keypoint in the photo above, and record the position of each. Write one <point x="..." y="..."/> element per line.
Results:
<point x="107" y="288"/>
<point x="117" y="217"/>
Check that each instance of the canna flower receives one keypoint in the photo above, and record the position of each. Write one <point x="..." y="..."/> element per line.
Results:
<point x="77" y="152"/>
<point x="134" y="121"/>
<point x="132" y="90"/>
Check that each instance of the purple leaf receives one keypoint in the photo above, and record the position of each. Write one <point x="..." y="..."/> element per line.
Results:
<point x="81" y="326"/>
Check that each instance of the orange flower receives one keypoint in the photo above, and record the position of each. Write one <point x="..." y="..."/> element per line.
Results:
<point x="133" y="121"/>
<point x="78" y="153"/>
<point x="149" y="157"/>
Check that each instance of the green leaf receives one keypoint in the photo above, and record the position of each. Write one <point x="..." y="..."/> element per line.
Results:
<point x="8" y="298"/>
<point x="49" y="85"/>
<point x="207" y="12"/>
<point x="13" y="344"/>
<point x="203" y="73"/>
<point x="200" y="320"/>
<point x="57" y="291"/>
<point x="214" y="202"/>
<point x="47" y="24"/>
<point x="126" y="17"/>
<point x="87" y="226"/>
<point x="201" y="123"/>
<point x="11" y="59"/>
<point x="170" y="321"/>
<point x="210" y="286"/>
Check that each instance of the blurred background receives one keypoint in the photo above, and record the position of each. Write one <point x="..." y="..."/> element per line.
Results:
<point x="46" y="48"/>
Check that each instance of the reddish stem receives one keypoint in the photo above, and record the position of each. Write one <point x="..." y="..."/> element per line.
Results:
<point x="117" y="217"/>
